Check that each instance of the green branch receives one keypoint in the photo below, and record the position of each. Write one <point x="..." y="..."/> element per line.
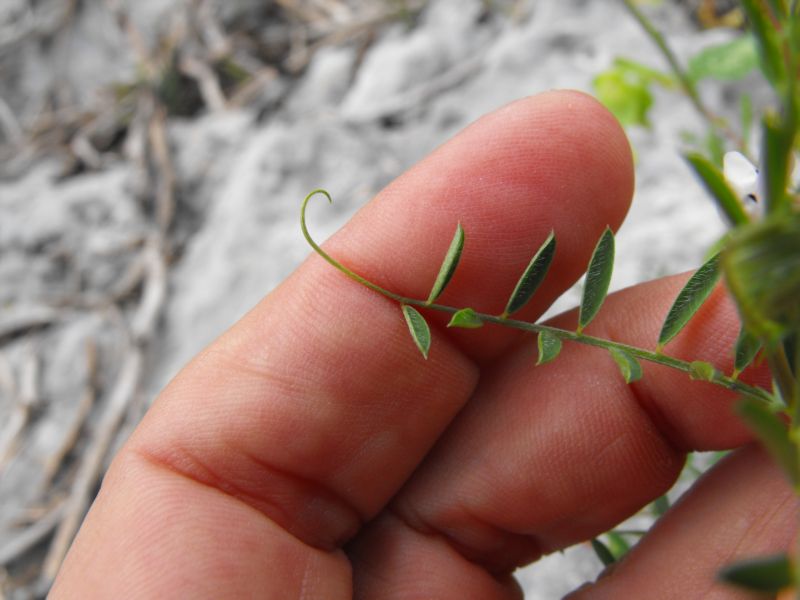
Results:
<point x="716" y="377"/>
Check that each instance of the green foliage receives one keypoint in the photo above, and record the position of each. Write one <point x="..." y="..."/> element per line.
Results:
<point x="702" y="371"/>
<point x="768" y="43"/>
<point x="768" y="574"/>
<point x="603" y="552"/>
<point x="689" y="300"/>
<point x="777" y="142"/>
<point x="714" y="181"/>
<point x="747" y="346"/>
<point x="626" y="90"/>
<point x="549" y="347"/>
<point x="628" y="365"/>
<point x="773" y="433"/>
<point x="420" y="332"/>
<point x="466" y="318"/>
<point x="759" y="258"/>
<point x="533" y="276"/>
<point x="762" y="269"/>
<point x="598" y="278"/>
<point x="729" y="61"/>
<point x="449" y="265"/>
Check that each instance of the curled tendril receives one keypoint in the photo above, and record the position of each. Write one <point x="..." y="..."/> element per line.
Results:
<point x="351" y="274"/>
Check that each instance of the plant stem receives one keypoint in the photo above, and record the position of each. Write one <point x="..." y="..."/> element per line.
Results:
<point x="686" y="82"/>
<point x="578" y="337"/>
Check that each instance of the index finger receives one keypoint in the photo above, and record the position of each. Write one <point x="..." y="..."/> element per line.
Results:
<point x="315" y="408"/>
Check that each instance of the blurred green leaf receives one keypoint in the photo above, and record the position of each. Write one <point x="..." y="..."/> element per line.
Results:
<point x="690" y="299"/>
<point x="773" y="433"/>
<point x="747" y="346"/>
<point x="625" y="89"/>
<point x="466" y="318"/>
<point x="549" y="347"/>
<point x="533" y="276"/>
<point x="598" y="278"/>
<point x="419" y="329"/>
<point x="729" y="61"/>
<point x="762" y="269"/>
<point x="661" y="505"/>
<point x="628" y="365"/>
<point x="617" y="544"/>
<point x="602" y="552"/>
<point x="449" y="265"/>
<point x="722" y="193"/>
<point x="768" y="43"/>
<point x="764" y="574"/>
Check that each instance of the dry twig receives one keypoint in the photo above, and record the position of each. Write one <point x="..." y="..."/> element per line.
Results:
<point x="27" y="399"/>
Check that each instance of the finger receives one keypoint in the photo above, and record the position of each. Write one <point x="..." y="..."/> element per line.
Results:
<point x="743" y="508"/>
<point x="314" y="409"/>
<point x="544" y="457"/>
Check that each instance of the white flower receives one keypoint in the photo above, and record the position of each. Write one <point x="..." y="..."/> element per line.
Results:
<point x="743" y="177"/>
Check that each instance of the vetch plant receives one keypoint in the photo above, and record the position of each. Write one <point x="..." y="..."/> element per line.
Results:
<point x="758" y="260"/>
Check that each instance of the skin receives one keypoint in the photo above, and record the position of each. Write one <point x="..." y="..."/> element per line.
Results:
<point x="310" y="452"/>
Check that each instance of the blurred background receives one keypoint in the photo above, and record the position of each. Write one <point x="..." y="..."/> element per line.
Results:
<point x="154" y="153"/>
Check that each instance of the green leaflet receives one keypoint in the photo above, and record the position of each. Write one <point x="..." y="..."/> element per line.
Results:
<point x="768" y="42"/>
<point x="448" y="265"/>
<point x="626" y="90"/>
<point x="764" y="574"/>
<point x="419" y="329"/>
<point x="701" y="371"/>
<point x="628" y="365"/>
<point x="661" y="505"/>
<point x="690" y="299"/>
<point x="747" y="346"/>
<point x="598" y="276"/>
<point x="720" y="191"/>
<point x="533" y="276"/>
<point x="602" y="552"/>
<point x="465" y="318"/>
<point x="549" y="347"/>
<point x="773" y="434"/>
<point x="729" y="61"/>
<point x="618" y="545"/>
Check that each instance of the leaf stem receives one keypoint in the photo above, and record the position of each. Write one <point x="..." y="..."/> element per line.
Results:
<point x="503" y="319"/>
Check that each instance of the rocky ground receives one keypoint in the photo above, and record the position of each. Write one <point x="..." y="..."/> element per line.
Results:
<point x="153" y="159"/>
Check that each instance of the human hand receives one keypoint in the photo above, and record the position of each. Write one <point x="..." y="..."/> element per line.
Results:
<point x="310" y="452"/>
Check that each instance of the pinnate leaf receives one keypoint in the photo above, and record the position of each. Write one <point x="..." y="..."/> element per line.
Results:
<point x="419" y="329"/>
<point x="533" y="276"/>
<point x="747" y="346"/>
<point x="549" y="347"/>
<point x="598" y="277"/>
<point x="764" y="574"/>
<point x="773" y="433"/>
<point x="628" y="365"/>
<point x="466" y="318"/>
<point x="449" y="265"/>
<point x="714" y="181"/>
<point x="690" y="299"/>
